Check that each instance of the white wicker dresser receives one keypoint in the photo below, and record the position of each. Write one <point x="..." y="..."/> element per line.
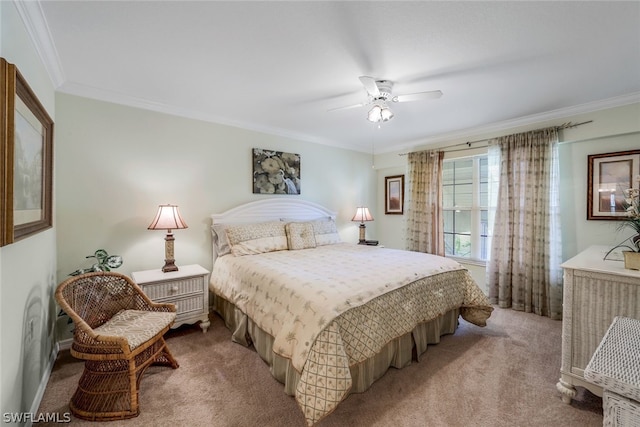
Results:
<point x="615" y="366"/>
<point x="595" y="292"/>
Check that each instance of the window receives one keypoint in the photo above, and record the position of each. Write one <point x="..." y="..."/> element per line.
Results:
<point x="465" y="203"/>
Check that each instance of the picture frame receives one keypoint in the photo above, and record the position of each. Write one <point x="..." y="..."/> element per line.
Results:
<point x="608" y="175"/>
<point x="275" y="172"/>
<point x="394" y="195"/>
<point x="26" y="159"/>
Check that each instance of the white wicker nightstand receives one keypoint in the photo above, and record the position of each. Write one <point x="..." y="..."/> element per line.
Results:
<point x="186" y="288"/>
<point x="615" y="366"/>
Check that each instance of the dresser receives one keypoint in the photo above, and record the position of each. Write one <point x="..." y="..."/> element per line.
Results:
<point x="186" y="288"/>
<point x="595" y="292"/>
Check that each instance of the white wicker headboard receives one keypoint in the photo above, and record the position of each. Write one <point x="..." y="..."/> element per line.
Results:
<point x="272" y="209"/>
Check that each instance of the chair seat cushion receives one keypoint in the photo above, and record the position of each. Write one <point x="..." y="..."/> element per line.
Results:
<point x="137" y="326"/>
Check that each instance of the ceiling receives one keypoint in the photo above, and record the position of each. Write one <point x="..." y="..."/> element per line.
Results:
<point x="277" y="67"/>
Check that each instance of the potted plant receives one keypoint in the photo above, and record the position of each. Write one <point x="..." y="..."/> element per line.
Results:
<point x="632" y="204"/>
<point x="104" y="262"/>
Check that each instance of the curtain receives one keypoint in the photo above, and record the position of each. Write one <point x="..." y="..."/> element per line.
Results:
<point x="524" y="270"/>
<point x="423" y="203"/>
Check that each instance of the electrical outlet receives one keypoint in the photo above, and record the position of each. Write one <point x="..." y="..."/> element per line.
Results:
<point x="30" y="330"/>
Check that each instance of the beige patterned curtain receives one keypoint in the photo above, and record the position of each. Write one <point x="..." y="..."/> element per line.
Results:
<point x="524" y="271"/>
<point x="423" y="203"/>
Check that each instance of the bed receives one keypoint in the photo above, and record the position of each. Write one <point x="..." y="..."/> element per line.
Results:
<point x="330" y="317"/>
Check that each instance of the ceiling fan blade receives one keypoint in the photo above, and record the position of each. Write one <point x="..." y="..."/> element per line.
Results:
<point x="348" y="107"/>
<point x="419" y="96"/>
<point x="370" y="85"/>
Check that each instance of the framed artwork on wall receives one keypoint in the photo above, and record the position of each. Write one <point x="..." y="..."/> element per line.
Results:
<point x="608" y="176"/>
<point x="394" y="195"/>
<point x="26" y="159"/>
<point x="275" y="172"/>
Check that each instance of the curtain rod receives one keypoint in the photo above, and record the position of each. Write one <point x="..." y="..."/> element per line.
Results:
<point x="469" y="147"/>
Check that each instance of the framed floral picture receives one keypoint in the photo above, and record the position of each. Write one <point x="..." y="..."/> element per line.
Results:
<point x="609" y="175"/>
<point x="275" y="172"/>
<point x="394" y="195"/>
<point x="26" y="154"/>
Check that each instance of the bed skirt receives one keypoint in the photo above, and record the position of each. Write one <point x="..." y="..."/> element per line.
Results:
<point x="398" y="353"/>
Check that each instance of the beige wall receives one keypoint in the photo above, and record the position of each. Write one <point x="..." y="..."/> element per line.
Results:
<point x="115" y="164"/>
<point x="27" y="267"/>
<point x="614" y="129"/>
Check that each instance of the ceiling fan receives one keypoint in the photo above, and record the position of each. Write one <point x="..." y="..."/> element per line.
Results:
<point x="379" y="93"/>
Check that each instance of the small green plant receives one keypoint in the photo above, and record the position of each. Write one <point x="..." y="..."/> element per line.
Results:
<point x="104" y="262"/>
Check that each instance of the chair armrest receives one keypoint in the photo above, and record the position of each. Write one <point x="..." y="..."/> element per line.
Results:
<point x="166" y="307"/>
<point x="86" y="340"/>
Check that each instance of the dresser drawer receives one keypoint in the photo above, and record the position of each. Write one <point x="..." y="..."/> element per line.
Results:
<point x="174" y="288"/>
<point x="188" y="305"/>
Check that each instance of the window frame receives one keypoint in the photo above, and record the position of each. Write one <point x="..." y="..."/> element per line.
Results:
<point x="476" y="212"/>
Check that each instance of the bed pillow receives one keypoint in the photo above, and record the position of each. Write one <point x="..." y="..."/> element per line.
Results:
<point x="300" y="235"/>
<point x="252" y="239"/>
<point x="326" y="232"/>
<point x="220" y="239"/>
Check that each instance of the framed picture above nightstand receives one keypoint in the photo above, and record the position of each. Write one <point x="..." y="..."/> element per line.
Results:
<point x="186" y="288"/>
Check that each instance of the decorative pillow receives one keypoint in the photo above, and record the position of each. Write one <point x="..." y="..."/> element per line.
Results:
<point x="251" y="239"/>
<point x="300" y="235"/>
<point x="220" y="239"/>
<point x="326" y="232"/>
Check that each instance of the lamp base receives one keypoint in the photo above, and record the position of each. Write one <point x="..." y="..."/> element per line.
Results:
<point x="362" y="239"/>
<point x="169" y="266"/>
<point x="169" y="261"/>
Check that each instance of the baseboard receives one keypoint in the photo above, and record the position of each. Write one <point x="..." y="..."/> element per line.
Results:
<point x="65" y="344"/>
<point x="44" y="381"/>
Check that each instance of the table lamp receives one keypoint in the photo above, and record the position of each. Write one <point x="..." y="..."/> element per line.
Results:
<point x="168" y="218"/>
<point x="362" y="215"/>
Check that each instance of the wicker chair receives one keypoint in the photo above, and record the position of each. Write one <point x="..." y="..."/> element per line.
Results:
<point x="119" y="333"/>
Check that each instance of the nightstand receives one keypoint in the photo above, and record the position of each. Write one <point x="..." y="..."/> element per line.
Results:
<point x="186" y="288"/>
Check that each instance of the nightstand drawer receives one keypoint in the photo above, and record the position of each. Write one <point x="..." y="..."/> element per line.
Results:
<point x="175" y="288"/>
<point x="188" y="305"/>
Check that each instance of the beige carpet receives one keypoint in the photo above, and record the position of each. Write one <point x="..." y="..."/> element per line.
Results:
<point x="500" y="375"/>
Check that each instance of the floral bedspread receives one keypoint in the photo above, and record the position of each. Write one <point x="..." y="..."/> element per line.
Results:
<point x="333" y="306"/>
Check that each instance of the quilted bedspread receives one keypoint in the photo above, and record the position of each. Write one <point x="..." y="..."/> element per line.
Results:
<point x="334" y="306"/>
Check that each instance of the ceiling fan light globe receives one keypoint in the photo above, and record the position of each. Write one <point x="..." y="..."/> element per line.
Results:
<point x="375" y="114"/>
<point x="386" y="114"/>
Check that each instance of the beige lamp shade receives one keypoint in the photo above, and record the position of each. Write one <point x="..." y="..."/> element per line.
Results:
<point x="362" y="215"/>
<point x="168" y="218"/>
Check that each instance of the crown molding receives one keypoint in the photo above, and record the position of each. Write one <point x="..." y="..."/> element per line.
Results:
<point x="145" y="104"/>
<point x="561" y="113"/>
<point x="131" y="101"/>
<point x="36" y="25"/>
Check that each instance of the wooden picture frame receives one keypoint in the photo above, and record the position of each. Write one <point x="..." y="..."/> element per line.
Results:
<point x="26" y="159"/>
<point x="394" y="195"/>
<point x="608" y="176"/>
